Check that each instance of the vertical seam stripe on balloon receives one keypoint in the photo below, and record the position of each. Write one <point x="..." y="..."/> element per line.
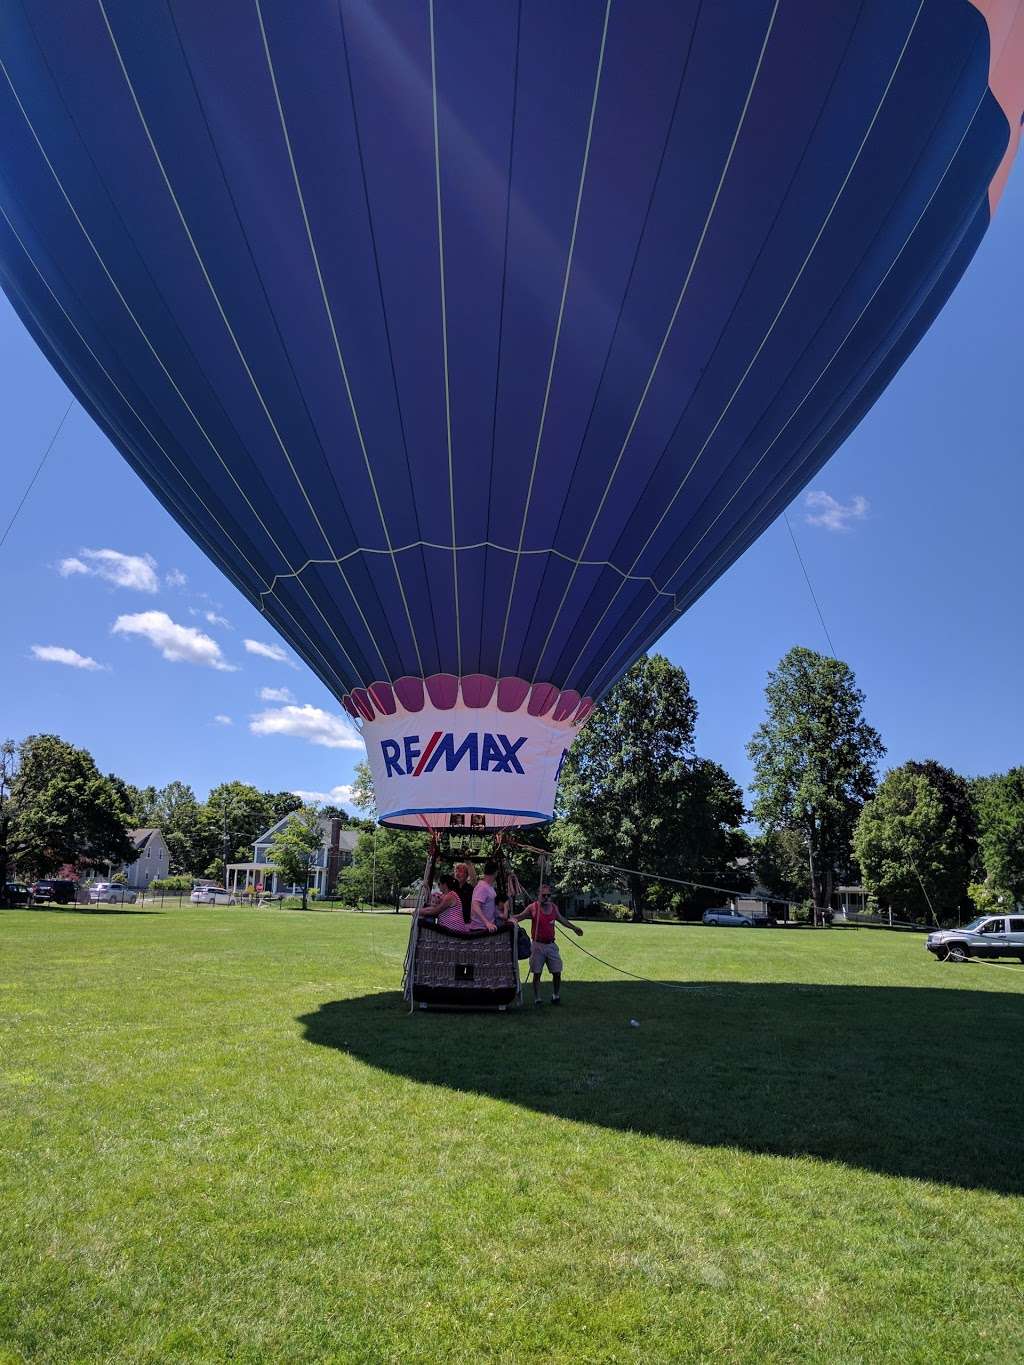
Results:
<point x="500" y="349"/>
<point x="764" y="341"/>
<point x="767" y="450"/>
<point x="558" y="328"/>
<point x="444" y="335"/>
<point x="334" y="332"/>
<point x="697" y="587"/>
<point x="241" y="354"/>
<point x="668" y="330"/>
<point x="769" y="498"/>
<point x="156" y="356"/>
<point x="765" y="502"/>
<point x="371" y="228"/>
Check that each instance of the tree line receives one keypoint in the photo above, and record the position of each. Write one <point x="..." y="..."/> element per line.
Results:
<point x="57" y="810"/>
<point x="925" y="841"/>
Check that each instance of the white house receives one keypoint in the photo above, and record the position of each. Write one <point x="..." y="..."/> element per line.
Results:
<point x="335" y="852"/>
<point x="154" y="858"/>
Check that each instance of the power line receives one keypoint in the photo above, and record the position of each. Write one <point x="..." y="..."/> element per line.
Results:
<point x="810" y="585"/>
<point x="39" y="470"/>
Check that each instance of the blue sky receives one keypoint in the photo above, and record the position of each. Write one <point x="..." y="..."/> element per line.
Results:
<point x="913" y="538"/>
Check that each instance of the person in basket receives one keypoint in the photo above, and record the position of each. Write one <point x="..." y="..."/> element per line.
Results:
<point x="544" y="914"/>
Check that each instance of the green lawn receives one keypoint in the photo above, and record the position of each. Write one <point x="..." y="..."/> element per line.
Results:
<point x="221" y="1138"/>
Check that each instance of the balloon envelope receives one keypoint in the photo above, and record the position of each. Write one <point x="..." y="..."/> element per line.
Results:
<point x="474" y="341"/>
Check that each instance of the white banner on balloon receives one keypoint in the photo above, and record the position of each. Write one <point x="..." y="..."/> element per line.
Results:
<point x="466" y="767"/>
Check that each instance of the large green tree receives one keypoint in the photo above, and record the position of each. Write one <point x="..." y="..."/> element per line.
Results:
<point x="56" y="807"/>
<point x="363" y="795"/>
<point x="384" y="862"/>
<point x="780" y="863"/>
<point x="633" y="793"/>
<point x="191" y="841"/>
<point x="233" y="818"/>
<point x="915" y="841"/>
<point x="815" y="759"/>
<point x="295" y="846"/>
<point x="1000" y="807"/>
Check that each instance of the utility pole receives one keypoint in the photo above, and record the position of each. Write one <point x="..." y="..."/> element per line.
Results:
<point x="227" y="835"/>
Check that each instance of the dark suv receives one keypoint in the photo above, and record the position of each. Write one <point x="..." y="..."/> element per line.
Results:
<point x="14" y="893"/>
<point x="61" y="892"/>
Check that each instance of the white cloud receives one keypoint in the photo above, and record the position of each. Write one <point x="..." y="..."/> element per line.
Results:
<point x="175" y="579"/>
<point x="274" y="652"/>
<point x="309" y="723"/>
<point x="179" y="644"/>
<point x="223" y="720"/>
<point x="337" y="796"/>
<point x="59" y="654"/>
<point x="827" y="511"/>
<point x="214" y="620"/>
<point x="275" y="694"/>
<point x="124" y="571"/>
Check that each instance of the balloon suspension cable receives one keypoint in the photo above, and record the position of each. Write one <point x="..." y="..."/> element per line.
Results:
<point x="39" y="470"/>
<point x="656" y="876"/>
<point x="832" y="651"/>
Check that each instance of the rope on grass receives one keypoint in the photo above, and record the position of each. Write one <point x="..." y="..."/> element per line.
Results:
<point x="647" y="980"/>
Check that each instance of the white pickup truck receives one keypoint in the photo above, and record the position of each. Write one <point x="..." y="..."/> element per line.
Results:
<point x="986" y="936"/>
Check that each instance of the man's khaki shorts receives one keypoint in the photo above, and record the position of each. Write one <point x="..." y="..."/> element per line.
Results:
<point x="545" y="952"/>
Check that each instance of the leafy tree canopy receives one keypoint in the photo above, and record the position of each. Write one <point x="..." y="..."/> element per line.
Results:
<point x="295" y="846"/>
<point x="384" y="862"/>
<point x="815" y="758"/>
<point x="780" y="863"/>
<point x="1000" y="807"/>
<point x="915" y="843"/>
<point x="633" y="793"/>
<point x="363" y="797"/>
<point x="56" y="807"/>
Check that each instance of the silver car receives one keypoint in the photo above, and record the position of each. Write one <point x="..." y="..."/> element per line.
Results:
<point x="111" y="893"/>
<point x="212" y="895"/>
<point x="727" y="918"/>
<point x="986" y="936"/>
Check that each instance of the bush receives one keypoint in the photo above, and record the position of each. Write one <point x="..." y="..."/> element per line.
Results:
<point x="617" y="914"/>
<point x="179" y="883"/>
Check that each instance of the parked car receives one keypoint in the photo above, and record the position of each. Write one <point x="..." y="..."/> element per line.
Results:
<point x="55" y="889"/>
<point x="727" y="918"/>
<point x="16" y="893"/>
<point x="212" y="895"/>
<point x="111" y="893"/>
<point x="986" y="936"/>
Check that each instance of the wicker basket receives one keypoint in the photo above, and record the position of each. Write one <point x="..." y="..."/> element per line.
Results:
<point x="479" y="970"/>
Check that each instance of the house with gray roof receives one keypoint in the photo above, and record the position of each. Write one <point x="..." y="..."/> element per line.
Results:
<point x="154" y="859"/>
<point x="335" y="852"/>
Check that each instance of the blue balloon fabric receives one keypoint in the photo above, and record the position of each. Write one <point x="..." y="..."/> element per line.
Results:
<point x="474" y="341"/>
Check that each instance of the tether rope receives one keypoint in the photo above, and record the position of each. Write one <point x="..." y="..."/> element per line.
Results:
<point x="39" y="470"/>
<point x="648" y="980"/>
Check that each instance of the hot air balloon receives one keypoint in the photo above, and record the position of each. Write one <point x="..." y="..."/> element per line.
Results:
<point x="474" y="339"/>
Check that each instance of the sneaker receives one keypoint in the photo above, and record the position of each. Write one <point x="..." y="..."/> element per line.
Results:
<point x="537" y="1003"/>
<point x="556" y="1000"/>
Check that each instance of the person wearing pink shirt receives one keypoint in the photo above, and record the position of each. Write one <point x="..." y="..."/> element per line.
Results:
<point x="544" y="915"/>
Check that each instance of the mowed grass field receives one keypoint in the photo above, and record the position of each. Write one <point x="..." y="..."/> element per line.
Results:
<point x="222" y="1138"/>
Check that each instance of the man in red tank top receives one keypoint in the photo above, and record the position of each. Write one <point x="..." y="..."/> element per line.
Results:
<point x="544" y="915"/>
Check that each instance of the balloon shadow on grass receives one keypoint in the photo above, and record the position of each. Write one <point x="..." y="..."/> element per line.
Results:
<point x="79" y="910"/>
<point x="906" y="1082"/>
